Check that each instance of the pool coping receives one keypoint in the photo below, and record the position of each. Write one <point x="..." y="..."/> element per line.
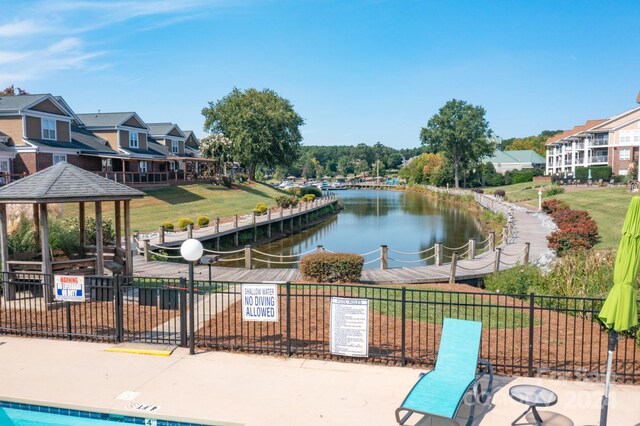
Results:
<point x="116" y="412"/>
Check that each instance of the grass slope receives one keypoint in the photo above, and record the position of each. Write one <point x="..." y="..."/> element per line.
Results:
<point x="606" y="205"/>
<point x="170" y="204"/>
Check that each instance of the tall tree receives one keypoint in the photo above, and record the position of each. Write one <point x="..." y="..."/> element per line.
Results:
<point x="263" y="127"/>
<point x="218" y="147"/>
<point x="460" y="132"/>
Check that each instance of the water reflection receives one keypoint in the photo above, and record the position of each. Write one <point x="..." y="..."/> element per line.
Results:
<point x="404" y="221"/>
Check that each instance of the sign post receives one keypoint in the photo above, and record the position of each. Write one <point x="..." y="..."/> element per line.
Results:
<point x="349" y="327"/>
<point x="69" y="288"/>
<point x="260" y="302"/>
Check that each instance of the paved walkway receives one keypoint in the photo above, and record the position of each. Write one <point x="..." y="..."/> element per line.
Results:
<point x="224" y="388"/>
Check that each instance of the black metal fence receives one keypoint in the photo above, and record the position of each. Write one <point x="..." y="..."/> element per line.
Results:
<point x="526" y="335"/>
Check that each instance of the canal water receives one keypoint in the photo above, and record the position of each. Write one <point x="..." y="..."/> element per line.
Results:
<point x="406" y="222"/>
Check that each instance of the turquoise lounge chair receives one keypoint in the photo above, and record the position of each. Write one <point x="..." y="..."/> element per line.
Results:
<point x="441" y="392"/>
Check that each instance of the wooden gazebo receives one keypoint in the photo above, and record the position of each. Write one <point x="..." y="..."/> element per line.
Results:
<point x="65" y="183"/>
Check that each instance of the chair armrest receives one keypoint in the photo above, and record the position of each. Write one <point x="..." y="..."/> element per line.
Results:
<point x="485" y="367"/>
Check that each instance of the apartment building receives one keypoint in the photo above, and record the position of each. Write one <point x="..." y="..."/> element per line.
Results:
<point x="614" y="141"/>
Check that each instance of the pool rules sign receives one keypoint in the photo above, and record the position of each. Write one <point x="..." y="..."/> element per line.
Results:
<point x="349" y="327"/>
<point x="260" y="302"/>
<point x="69" y="288"/>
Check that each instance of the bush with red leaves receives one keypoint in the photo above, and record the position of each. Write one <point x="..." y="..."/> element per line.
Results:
<point x="576" y="230"/>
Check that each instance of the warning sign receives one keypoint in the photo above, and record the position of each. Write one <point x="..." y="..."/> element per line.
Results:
<point x="260" y="302"/>
<point x="69" y="288"/>
<point x="349" y="329"/>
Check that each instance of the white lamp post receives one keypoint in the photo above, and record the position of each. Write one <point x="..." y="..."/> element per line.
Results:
<point x="191" y="250"/>
<point x="540" y="199"/>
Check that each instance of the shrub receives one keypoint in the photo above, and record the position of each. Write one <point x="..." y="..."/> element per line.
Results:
<point x="577" y="231"/>
<point x="331" y="267"/>
<point x="108" y="233"/>
<point x="553" y="205"/>
<point x="286" y="201"/>
<point x="168" y="226"/>
<point x="226" y="181"/>
<point x="477" y="190"/>
<point x="499" y="193"/>
<point x="597" y="173"/>
<point x="553" y="190"/>
<point x="202" y="221"/>
<point x="183" y="222"/>
<point x="521" y="279"/>
<point x="317" y="192"/>
<point x="261" y="208"/>
<point x="308" y="198"/>
<point x="294" y="190"/>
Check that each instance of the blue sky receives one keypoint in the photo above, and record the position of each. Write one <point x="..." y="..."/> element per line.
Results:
<point x="357" y="71"/>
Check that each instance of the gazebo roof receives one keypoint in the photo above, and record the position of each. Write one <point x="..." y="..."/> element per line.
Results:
<point x="65" y="183"/>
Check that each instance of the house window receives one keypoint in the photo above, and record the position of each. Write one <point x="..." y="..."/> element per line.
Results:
<point x="133" y="140"/>
<point x="58" y="158"/>
<point x="143" y="167"/>
<point x="622" y="172"/>
<point x="175" y="147"/>
<point x="107" y="166"/>
<point x="48" y="129"/>
<point x="625" y="154"/>
<point x="172" y="166"/>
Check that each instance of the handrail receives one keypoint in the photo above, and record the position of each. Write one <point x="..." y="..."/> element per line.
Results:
<point x="412" y="253"/>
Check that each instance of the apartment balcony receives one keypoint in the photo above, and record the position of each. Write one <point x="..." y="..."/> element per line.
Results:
<point x="599" y="159"/>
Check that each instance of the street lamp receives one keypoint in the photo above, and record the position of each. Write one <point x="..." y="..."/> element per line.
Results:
<point x="539" y="199"/>
<point x="191" y="250"/>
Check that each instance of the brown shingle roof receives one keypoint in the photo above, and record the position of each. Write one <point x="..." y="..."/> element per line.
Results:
<point x="576" y="129"/>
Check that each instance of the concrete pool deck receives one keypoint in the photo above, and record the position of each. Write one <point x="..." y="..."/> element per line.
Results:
<point x="227" y="388"/>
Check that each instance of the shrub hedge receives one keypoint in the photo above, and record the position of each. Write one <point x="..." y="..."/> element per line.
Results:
<point x="202" y="221"/>
<point x="553" y="190"/>
<point x="597" y="173"/>
<point x="183" y="222"/>
<point x="332" y="267"/>
<point x="553" y="205"/>
<point x="576" y="228"/>
<point x="317" y="192"/>
<point x="308" y="198"/>
<point x="226" y="181"/>
<point x="286" y="201"/>
<point x="261" y="208"/>
<point x="168" y="226"/>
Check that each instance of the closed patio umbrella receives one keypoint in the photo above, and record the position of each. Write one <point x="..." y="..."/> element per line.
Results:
<point x="619" y="312"/>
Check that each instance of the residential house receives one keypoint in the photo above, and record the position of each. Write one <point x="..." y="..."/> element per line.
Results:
<point x="614" y="142"/>
<point x="37" y="131"/>
<point x="181" y="148"/>
<point x="505" y="161"/>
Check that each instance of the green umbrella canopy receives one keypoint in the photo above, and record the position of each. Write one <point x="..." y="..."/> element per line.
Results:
<point x="619" y="311"/>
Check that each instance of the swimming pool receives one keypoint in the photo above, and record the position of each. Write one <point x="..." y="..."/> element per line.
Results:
<point x="20" y="414"/>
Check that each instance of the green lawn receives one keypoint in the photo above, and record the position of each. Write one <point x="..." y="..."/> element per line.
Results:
<point x="170" y="204"/>
<point x="606" y="205"/>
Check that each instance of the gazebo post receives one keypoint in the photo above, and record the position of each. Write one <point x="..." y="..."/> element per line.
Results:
<point x="118" y="225"/>
<point x="81" y="225"/>
<point x="127" y="237"/>
<point x="46" y="258"/>
<point x="99" y="238"/>
<point x="36" y="227"/>
<point x="9" y="287"/>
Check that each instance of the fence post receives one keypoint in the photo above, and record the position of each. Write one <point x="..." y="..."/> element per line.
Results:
<point x="217" y="225"/>
<point x="403" y="356"/>
<point x="183" y="312"/>
<point x="454" y="265"/>
<point x="320" y="248"/>
<point x="527" y="247"/>
<point x="235" y="220"/>
<point x="147" y="255"/>
<point x="439" y="254"/>
<point x="492" y="240"/>
<point x="288" y="323"/>
<point x="281" y="211"/>
<point x="68" y="309"/>
<point x="531" y="324"/>
<point x="496" y="265"/>
<point x="505" y="235"/>
<point x="247" y="257"/>
<point x="189" y="231"/>
<point x="269" y="215"/>
<point x="384" y="257"/>
<point x="255" y="228"/>
<point x="161" y="235"/>
<point x="119" y="309"/>
<point x="472" y="249"/>
<point x="192" y="311"/>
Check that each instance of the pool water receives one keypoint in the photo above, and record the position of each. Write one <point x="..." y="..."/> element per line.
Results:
<point x="19" y="414"/>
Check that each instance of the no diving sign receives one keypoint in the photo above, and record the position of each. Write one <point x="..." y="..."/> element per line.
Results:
<point x="260" y="302"/>
<point x="69" y="288"/>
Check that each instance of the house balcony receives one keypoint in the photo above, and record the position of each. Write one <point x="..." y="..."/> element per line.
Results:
<point x="597" y="159"/>
<point x="155" y="178"/>
<point x="6" y="178"/>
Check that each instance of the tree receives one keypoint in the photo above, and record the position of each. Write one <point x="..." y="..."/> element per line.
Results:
<point x="217" y="147"/>
<point x="263" y="127"/>
<point x="460" y="132"/>
<point x="13" y="91"/>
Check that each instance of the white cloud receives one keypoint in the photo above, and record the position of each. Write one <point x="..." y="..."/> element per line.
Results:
<point x="22" y="28"/>
<point x="7" y="57"/>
